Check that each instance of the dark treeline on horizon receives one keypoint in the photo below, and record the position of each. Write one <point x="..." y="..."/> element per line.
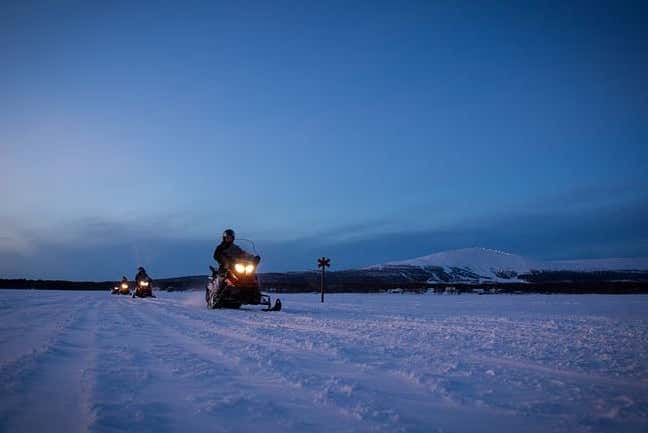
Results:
<point x="347" y="282"/>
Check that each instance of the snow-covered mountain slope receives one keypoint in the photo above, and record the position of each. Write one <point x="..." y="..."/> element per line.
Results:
<point x="468" y="265"/>
<point x="487" y="265"/>
<point x="478" y="259"/>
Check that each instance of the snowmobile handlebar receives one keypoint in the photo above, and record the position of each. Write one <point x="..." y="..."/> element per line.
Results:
<point x="242" y="266"/>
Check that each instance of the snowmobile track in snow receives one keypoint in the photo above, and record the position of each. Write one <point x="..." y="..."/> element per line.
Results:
<point x="86" y="361"/>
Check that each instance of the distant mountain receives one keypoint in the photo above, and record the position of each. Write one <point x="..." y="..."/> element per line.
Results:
<point x="483" y="265"/>
<point x="467" y="265"/>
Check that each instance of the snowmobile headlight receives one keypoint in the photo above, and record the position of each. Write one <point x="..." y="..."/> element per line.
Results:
<point x="240" y="268"/>
<point x="144" y="283"/>
<point x="249" y="268"/>
<point x="124" y="286"/>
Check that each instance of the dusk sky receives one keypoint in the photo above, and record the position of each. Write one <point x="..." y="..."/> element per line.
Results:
<point x="134" y="133"/>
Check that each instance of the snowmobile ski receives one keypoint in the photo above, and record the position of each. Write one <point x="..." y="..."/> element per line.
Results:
<point x="276" y="307"/>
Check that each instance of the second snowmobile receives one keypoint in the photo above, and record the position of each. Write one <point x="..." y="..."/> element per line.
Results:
<point x="124" y="289"/>
<point x="144" y="288"/>
<point x="121" y="288"/>
<point x="231" y="288"/>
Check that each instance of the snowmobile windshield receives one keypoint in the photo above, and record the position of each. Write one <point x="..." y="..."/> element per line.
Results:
<point x="247" y="245"/>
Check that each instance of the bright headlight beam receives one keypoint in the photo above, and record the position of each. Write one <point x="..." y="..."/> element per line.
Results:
<point x="249" y="269"/>
<point x="239" y="268"/>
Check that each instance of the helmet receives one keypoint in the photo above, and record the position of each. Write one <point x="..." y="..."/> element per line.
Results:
<point x="140" y="269"/>
<point x="229" y="232"/>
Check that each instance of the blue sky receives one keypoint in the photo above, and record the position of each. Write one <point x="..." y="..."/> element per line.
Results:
<point x="368" y="131"/>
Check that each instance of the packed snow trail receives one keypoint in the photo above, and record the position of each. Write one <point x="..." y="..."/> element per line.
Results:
<point x="89" y="361"/>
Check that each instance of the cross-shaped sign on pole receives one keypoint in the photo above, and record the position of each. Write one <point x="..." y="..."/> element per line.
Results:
<point x="323" y="263"/>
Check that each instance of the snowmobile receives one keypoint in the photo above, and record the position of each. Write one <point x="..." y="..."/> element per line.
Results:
<point x="124" y="289"/>
<point x="121" y="289"/>
<point x="238" y="286"/>
<point x="144" y="289"/>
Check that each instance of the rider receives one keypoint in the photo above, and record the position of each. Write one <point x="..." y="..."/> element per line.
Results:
<point x="226" y="253"/>
<point x="141" y="275"/>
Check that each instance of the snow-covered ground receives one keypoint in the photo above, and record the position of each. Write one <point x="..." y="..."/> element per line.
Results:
<point x="88" y="361"/>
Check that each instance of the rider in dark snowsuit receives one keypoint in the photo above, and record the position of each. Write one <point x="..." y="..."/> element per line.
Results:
<point x="141" y="275"/>
<point x="226" y="254"/>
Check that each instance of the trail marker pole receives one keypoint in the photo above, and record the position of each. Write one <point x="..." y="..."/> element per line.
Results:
<point x="323" y="263"/>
